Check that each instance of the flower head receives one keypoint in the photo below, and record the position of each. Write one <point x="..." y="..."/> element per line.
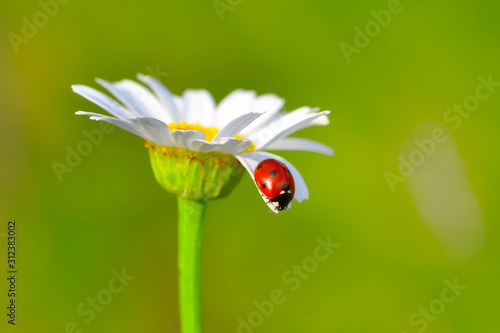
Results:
<point x="242" y="126"/>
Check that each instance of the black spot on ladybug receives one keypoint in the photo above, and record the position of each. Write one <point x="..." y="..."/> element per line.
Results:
<point x="264" y="185"/>
<point x="285" y="187"/>
<point x="273" y="173"/>
<point x="260" y="166"/>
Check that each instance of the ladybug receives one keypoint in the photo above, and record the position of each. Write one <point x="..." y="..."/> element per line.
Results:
<point x="275" y="182"/>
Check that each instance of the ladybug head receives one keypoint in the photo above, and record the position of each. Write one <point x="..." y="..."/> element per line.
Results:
<point x="282" y="201"/>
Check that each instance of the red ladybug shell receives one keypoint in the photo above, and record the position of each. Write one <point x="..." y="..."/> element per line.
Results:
<point x="276" y="182"/>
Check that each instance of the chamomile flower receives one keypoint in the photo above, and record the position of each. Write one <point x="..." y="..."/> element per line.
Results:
<point x="219" y="138"/>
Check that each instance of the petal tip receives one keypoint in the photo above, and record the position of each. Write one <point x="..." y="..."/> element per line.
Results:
<point x="101" y="81"/>
<point x="75" y="87"/>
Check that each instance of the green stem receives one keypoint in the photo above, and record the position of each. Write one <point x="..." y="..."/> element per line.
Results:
<point x="191" y="215"/>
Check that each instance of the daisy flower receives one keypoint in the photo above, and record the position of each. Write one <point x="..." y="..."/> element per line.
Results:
<point x="243" y="125"/>
<point x="199" y="151"/>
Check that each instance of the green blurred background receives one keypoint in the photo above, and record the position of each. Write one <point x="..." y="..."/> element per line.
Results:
<point x="396" y="247"/>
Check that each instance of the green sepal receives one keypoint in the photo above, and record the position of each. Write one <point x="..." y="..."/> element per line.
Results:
<point x="194" y="175"/>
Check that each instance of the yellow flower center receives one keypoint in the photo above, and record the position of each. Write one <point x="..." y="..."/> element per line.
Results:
<point x="210" y="132"/>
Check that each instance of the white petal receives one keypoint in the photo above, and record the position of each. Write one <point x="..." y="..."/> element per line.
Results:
<point x="234" y="147"/>
<point x="202" y="146"/>
<point x="270" y="104"/>
<point x="301" y="111"/>
<point x="226" y="146"/>
<point x="284" y="119"/>
<point x="251" y="160"/>
<point x="321" y="121"/>
<point x="156" y="130"/>
<point x="287" y="117"/>
<point x="102" y="100"/>
<point x="145" y="100"/>
<point x="233" y="105"/>
<point x="123" y="124"/>
<point x="138" y="99"/>
<point x="91" y="114"/>
<point x="180" y="106"/>
<point x="199" y="107"/>
<point x="164" y="95"/>
<point x="268" y="135"/>
<point x="236" y="125"/>
<point x="147" y="128"/>
<point x="301" y="144"/>
<point x="183" y="138"/>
